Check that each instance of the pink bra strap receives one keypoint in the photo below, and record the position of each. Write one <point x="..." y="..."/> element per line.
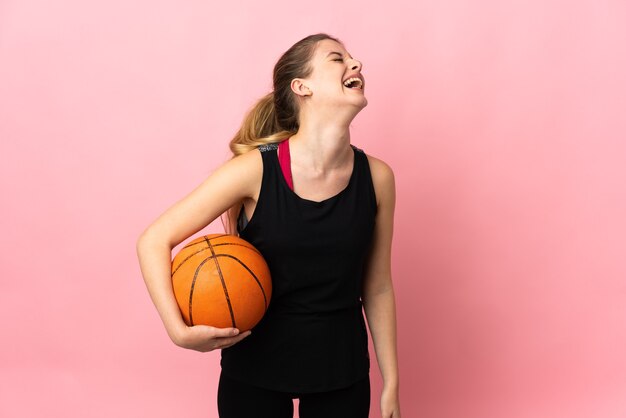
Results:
<point x="284" y="159"/>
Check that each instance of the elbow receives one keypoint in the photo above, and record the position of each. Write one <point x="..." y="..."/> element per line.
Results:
<point x="144" y="240"/>
<point x="381" y="290"/>
<point x="377" y="290"/>
<point x="140" y="244"/>
<point x="151" y="239"/>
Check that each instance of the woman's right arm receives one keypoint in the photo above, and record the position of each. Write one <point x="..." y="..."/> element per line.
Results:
<point x="235" y="180"/>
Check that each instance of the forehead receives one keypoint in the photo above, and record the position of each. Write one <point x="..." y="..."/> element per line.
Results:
<point x="327" y="46"/>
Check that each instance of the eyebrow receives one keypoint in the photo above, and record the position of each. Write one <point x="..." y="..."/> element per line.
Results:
<point x="334" y="52"/>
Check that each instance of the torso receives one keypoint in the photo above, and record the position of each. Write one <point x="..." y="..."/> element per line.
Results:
<point x="313" y="335"/>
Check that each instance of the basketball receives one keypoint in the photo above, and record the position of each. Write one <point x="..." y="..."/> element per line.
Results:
<point x="222" y="281"/>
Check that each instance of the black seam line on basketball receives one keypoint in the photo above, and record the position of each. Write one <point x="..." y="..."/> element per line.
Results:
<point x="193" y="284"/>
<point x="206" y="248"/>
<point x="241" y="245"/>
<point x="249" y="271"/>
<point x="219" y="271"/>
<point x="200" y="242"/>
<point x="187" y="258"/>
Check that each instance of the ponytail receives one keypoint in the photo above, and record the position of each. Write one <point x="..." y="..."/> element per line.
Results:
<point x="259" y="127"/>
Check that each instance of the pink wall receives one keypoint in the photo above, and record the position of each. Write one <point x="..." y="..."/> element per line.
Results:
<point x="504" y="123"/>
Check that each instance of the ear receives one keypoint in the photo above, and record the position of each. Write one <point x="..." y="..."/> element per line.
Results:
<point x="299" y="88"/>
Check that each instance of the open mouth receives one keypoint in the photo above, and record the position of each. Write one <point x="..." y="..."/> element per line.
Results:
<point x="354" y="83"/>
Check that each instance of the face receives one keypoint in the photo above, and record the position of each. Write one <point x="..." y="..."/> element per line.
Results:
<point x="332" y="66"/>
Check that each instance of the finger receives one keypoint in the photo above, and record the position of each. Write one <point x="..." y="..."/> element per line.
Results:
<point x="224" y="332"/>
<point x="233" y="340"/>
<point x="227" y="342"/>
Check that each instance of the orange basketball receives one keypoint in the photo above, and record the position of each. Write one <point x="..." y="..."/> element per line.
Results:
<point x="222" y="281"/>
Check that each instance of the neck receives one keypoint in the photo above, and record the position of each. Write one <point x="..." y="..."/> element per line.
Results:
<point x="322" y="142"/>
<point x="321" y="147"/>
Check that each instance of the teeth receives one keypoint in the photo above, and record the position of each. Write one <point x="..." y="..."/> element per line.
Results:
<point x="359" y="83"/>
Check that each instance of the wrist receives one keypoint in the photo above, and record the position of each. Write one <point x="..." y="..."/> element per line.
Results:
<point x="391" y="385"/>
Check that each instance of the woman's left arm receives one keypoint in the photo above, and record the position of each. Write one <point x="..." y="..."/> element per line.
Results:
<point x="378" y="296"/>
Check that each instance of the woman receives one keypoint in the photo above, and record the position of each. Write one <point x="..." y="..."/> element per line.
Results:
<point x="320" y="211"/>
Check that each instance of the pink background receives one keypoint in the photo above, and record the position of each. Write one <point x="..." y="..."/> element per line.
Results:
<point x="503" y="121"/>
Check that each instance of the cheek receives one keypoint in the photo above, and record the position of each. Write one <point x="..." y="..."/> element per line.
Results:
<point x="328" y="85"/>
<point x="327" y="88"/>
<point x="333" y="83"/>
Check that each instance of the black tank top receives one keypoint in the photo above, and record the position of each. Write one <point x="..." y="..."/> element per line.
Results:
<point x="313" y="336"/>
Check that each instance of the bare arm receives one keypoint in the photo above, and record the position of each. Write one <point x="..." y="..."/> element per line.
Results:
<point x="235" y="180"/>
<point x="378" y="295"/>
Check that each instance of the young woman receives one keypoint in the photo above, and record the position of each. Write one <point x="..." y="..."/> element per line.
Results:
<point x="320" y="211"/>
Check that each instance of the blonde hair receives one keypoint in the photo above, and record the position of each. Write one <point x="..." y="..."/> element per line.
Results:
<point x="274" y="117"/>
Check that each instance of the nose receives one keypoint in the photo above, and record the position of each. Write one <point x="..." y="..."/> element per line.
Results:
<point x="356" y="64"/>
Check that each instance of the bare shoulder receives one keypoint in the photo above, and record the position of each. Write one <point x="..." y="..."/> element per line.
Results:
<point x="383" y="179"/>
<point x="246" y="170"/>
<point x="251" y="159"/>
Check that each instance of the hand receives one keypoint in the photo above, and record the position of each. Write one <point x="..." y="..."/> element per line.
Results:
<point x="204" y="338"/>
<point x="390" y="403"/>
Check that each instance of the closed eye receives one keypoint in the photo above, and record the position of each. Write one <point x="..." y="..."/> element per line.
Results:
<point x="338" y="59"/>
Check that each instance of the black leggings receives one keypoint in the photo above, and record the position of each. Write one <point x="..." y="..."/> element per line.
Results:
<point x="240" y="400"/>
